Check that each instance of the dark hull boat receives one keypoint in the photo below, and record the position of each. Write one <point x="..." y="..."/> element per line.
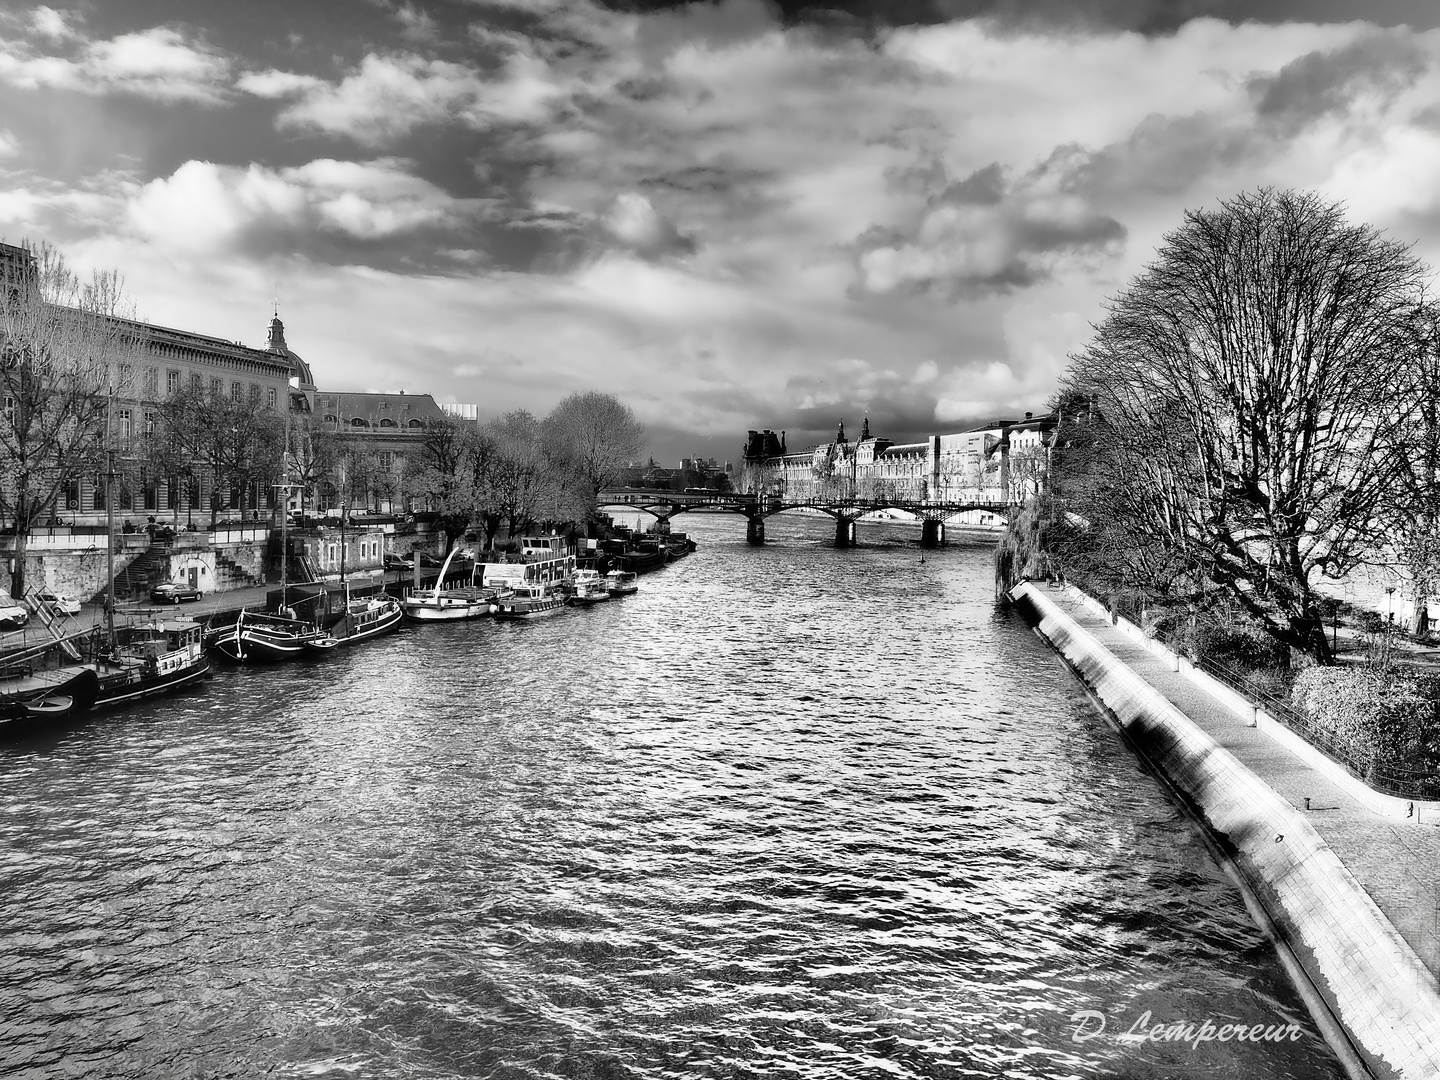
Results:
<point x="34" y="699"/>
<point x="529" y="602"/>
<point x="150" y="659"/>
<point x="365" y="619"/>
<point x="257" y="638"/>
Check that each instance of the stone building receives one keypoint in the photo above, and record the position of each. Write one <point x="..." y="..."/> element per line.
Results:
<point x="972" y="465"/>
<point x="165" y="360"/>
<point x="387" y="431"/>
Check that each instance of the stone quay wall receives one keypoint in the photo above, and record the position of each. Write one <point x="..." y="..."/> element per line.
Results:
<point x="1366" y="974"/>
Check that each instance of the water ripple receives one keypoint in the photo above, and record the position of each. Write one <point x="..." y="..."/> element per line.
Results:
<point x="788" y="811"/>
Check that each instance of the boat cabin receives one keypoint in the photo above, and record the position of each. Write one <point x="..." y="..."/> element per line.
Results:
<point x="543" y="560"/>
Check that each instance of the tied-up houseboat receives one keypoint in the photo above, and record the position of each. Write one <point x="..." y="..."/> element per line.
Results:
<point x="263" y="638"/>
<point x="366" y="618"/>
<point x="541" y="560"/>
<point x="149" y="658"/>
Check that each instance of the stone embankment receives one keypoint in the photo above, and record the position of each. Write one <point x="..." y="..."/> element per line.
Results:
<point x="1354" y="949"/>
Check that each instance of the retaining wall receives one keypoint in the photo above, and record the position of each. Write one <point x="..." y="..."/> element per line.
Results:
<point x="1366" y="973"/>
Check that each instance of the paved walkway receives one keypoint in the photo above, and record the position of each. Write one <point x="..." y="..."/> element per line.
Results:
<point x="1397" y="863"/>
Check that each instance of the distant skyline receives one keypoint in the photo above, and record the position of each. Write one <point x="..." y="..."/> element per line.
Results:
<point x="731" y="215"/>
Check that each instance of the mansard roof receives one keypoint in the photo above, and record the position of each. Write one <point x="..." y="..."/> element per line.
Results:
<point x="372" y="408"/>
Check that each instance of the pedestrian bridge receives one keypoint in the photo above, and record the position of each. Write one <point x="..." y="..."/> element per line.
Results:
<point x="664" y="505"/>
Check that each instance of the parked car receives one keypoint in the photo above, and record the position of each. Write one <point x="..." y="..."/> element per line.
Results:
<point x="13" y="616"/>
<point x="172" y="592"/>
<point x="58" y="603"/>
<point x="399" y="562"/>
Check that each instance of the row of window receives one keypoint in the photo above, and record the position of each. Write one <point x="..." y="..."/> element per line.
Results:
<point x="361" y="422"/>
<point x="238" y="390"/>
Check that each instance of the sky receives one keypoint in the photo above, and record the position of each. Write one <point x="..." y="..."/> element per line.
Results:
<point x="731" y="215"/>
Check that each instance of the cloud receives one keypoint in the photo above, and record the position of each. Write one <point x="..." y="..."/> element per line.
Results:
<point x="49" y="23"/>
<point x="158" y="63"/>
<point x="1328" y="82"/>
<point x="634" y="223"/>
<point x="9" y="144"/>
<point x="274" y="84"/>
<point x="390" y="95"/>
<point x="312" y="208"/>
<point x="986" y="234"/>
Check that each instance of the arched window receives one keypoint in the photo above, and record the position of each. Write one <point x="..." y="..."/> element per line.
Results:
<point x="359" y="421"/>
<point x="385" y="421"/>
<point x="417" y="423"/>
<point x="330" y="418"/>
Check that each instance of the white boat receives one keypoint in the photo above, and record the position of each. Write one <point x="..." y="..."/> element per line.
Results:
<point x="541" y="560"/>
<point x="529" y="602"/>
<point x="437" y="604"/>
<point x="621" y="582"/>
<point x="588" y="587"/>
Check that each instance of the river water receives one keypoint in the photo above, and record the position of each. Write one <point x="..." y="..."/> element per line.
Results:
<point x="790" y="811"/>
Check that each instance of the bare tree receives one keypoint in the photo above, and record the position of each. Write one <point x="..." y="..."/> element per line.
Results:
<point x="240" y="443"/>
<point x="591" y="437"/>
<point x="1244" y="387"/>
<point x="314" y="449"/>
<point x="523" y="483"/>
<point x="1412" y="505"/>
<point x="66" y="346"/>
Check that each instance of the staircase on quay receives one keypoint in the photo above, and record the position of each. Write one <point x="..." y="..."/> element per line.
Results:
<point x="141" y="574"/>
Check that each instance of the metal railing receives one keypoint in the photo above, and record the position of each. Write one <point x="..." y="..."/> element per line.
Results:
<point x="1385" y="776"/>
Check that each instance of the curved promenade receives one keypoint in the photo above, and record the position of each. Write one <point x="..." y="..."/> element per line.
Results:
<point x="1353" y="895"/>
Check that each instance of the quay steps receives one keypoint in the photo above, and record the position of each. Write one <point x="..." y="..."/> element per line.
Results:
<point x="141" y="575"/>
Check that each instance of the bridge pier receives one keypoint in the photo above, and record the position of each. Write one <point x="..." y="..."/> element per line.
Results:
<point x="844" y="532"/>
<point x="932" y="533"/>
<point x="755" y="530"/>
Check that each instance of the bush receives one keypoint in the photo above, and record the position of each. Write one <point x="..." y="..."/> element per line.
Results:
<point x="1372" y="718"/>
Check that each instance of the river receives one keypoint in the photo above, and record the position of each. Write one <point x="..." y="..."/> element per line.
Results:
<point x="788" y="811"/>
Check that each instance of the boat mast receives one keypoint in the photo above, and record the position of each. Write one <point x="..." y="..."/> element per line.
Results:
<point x="284" y="489"/>
<point x="109" y="523"/>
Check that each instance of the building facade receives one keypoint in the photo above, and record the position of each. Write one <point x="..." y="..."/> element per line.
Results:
<point x="973" y="465"/>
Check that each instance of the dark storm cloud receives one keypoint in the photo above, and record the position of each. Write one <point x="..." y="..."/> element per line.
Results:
<point x="1145" y="16"/>
<point x="1322" y="83"/>
<point x="1167" y="155"/>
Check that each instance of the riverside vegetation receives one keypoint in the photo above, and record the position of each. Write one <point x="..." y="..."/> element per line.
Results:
<point x="1257" y="413"/>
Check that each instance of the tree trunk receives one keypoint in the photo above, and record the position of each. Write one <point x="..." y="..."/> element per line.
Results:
<point x="17" y="576"/>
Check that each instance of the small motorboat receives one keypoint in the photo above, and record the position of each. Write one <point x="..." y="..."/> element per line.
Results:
<point x="621" y="582"/>
<point x="588" y="587"/>
<point x="529" y="602"/>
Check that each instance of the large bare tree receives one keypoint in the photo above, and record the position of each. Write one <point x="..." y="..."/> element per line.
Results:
<point x="239" y="443"/>
<point x="1244" y="396"/>
<point x="1413" y="501"/>
<point x="66" y="347"/>
<point x="591" y="436"/>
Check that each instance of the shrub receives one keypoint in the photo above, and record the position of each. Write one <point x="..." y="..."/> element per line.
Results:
<point x="1372" y="718"/>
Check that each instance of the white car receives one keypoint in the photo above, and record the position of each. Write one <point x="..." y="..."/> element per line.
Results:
<point x="13" y="616"/>
<point x="58" y="602"/>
